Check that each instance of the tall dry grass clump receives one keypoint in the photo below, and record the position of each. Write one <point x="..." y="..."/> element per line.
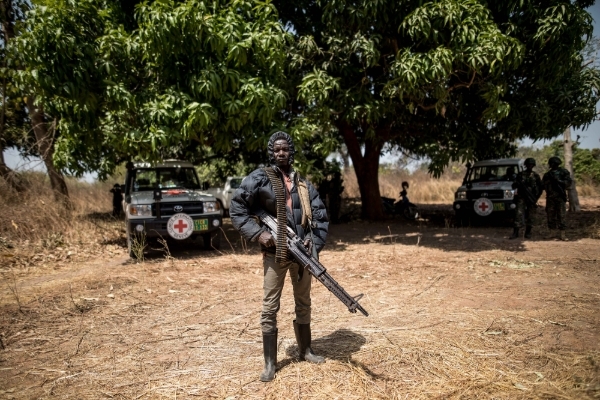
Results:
<point x="424" y="189"/>
<point x="36" y="216"/>
<point x="588" y="189"/>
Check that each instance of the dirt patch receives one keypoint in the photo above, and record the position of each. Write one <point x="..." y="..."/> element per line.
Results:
<point x="454" y="313"/>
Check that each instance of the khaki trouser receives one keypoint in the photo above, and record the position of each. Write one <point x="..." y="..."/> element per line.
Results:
<point x="274" y="276"/>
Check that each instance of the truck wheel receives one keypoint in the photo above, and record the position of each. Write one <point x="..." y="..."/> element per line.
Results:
<point x="212" y="241"/>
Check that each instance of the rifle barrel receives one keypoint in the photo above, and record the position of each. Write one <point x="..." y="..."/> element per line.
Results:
<point x="314" y="267"/>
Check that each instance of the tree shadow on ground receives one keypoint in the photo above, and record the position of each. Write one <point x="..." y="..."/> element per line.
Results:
<point x="436" y="229"/>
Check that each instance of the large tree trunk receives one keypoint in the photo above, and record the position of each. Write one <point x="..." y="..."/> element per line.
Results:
<point x="572" y="191"/>
<point x="366" y="167"/>
<point x="44" y="138"/>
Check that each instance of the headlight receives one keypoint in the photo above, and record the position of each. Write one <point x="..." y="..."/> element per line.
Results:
<point x="509" y="194"/>
<point x="141" y="210"/>
<point x="461" y="195"/>
<point x="210" y="206"/>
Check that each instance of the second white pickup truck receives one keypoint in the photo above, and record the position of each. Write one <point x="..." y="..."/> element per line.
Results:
<point x="225" y="193"/>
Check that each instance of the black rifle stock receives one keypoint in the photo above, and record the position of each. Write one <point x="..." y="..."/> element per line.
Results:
<point x="316" y="269"/>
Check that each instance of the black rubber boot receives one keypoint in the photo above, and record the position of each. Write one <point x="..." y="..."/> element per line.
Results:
<point x="515" y="234"/>
<point x="303" y="339"/>
<point x="528" y="232"/>
<point x="270" y="351"/>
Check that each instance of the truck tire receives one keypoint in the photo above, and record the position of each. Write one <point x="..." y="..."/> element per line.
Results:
<point x="212" y="241"/>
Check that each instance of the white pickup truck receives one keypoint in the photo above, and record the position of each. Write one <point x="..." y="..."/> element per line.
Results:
<point x="225" y="193"/>
<point x="487" y="190"/>
<point x="165" y="200"/>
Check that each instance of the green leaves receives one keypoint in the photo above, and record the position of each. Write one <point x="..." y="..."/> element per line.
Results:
<point x="448" y="79"/>
<point x="193" y="74"/>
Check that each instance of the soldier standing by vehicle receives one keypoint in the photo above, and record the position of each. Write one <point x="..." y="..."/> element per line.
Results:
<point x="116" y="200"/>
<point x="279" y="191"/>
<point x="556" y="182"/>
<point x="529" y="189"/>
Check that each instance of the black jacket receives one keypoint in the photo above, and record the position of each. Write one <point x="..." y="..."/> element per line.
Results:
<point x="256" y="192"/>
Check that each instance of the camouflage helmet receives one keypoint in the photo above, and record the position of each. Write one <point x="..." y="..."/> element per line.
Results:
<point x="530" y="161"/>
<point x="554" y="161"/>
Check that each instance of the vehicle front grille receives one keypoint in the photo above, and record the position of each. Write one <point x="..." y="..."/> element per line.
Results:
<point x="490" y="194"/>
<point x="168" y="209"/>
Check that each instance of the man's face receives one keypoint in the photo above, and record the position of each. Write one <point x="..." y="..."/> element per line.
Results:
<point x="281" y="152"/>
<point x="528" y="167"/>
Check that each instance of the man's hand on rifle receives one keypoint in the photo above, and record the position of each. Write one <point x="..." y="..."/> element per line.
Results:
<point x="308" y="244"/>
<point x="266" y="239"/>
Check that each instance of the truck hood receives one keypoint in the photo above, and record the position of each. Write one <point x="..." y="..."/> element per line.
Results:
<point x="172" y="195"/>
<point x="496" y="185"/>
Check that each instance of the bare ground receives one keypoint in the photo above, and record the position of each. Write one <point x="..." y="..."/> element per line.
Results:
<point x="454" y="313"/>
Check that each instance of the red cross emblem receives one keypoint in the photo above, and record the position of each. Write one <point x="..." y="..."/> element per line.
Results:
<point x="483" y="207"/>
<point x="180" y="225"/>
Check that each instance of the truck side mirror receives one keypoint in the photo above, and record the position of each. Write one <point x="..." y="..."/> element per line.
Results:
<point x="205" y="185"/>
<point x="123" y="188"/>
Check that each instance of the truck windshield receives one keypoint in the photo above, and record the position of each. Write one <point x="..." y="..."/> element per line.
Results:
<point x="493" y="173"/>
<point x="164" y="178"/>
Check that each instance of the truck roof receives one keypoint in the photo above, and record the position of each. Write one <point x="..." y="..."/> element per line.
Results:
<point x="164" y="164"/>
<point x="499" y="161"/>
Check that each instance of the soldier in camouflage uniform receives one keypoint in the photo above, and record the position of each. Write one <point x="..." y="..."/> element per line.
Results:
<point x="529" y="189"/>
<point x="556" y="182"/>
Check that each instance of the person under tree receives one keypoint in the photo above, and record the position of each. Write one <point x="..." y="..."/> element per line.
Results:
<point x="277" y="189"/>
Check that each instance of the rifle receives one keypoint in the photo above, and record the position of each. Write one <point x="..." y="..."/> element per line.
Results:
<point x="524" y="192"/>
<point x="316" y="269"/>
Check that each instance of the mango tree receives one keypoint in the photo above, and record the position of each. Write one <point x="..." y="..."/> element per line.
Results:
<point x="179" y="79"/>
<point x="448" y="80"/>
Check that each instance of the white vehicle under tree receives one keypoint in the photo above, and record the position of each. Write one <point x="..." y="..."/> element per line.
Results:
<point x="165" y="200"/>
<point x="225" y="193"/>
<point x="487" y="190"/>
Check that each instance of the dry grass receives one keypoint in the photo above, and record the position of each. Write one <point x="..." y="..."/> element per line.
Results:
<point x="588" y="189"/>
<point x="463" y="315"/>
<point x="37" y="231"/>
<point x="35" y="215"/>
<point x="423" y="188"/>
<point x="454" y="313"/>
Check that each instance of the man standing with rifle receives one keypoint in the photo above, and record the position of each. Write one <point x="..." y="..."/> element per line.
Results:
<point x="556" y="182"/>
<point x="278" y="191"/>
<point x="529" y="189"/>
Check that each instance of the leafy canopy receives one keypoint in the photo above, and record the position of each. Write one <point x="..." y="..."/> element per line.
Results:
<point x="450" y="79"/>
<point x="193" y="75"/>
